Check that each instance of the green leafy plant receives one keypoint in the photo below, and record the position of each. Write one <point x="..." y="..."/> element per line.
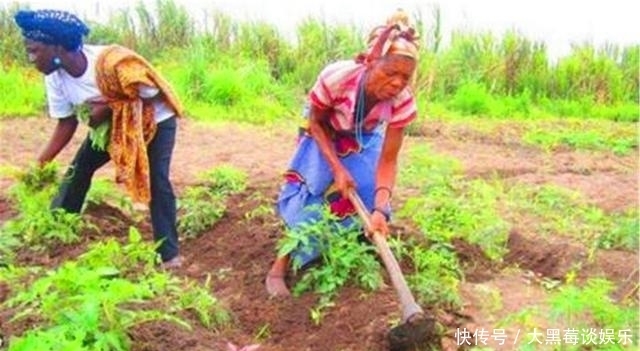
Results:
<point x="579" y="306"/>
<point x="224" y="179"/>
<point x="206" y="307"/>
<point x="36" y="225"/>
<point x="561" y="211"/>
<point x="37" y="178"/>
<point x="203" y="205"/>
<point x="200" y="208"/>
<point x="93" y="302"/>
<point x="345" y="258"/>
<point x="98" y="135"/>
<point x="623" y="233"/>
<point x="316" y="313"/>
<point x="436" y="274"/>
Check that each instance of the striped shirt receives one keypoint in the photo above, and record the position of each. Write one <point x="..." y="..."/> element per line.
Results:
<point x="336" y="90"/>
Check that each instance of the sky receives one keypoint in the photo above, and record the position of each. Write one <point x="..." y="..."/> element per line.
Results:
<point x="558" y="23"/>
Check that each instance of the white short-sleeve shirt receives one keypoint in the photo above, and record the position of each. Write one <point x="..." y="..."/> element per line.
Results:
<point x="64" y="91"/>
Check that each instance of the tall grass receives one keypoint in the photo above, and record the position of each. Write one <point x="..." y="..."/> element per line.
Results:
<point x="10" y="40"/>
<point x="20" y="96"/>
<point x="473" y="74"/>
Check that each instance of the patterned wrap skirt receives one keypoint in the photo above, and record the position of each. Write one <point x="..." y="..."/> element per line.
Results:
<point x="309" y="186"/>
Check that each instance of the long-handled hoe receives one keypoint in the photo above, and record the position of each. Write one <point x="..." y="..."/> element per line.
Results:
<point x="417" y="332"/>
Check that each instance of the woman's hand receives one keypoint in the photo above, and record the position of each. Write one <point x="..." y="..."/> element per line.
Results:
<point x="378" y="224"/>
<point x="344" y="182"/>
<point x="99" y="111"/>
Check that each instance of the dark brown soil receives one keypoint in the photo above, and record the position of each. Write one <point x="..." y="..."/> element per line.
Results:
<point x="239" y="249"/>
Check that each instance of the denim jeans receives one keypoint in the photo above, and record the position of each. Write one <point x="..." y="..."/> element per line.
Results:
<point x="73" y="190"/>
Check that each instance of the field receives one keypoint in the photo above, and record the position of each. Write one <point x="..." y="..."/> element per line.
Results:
<point x="543" y="237"/>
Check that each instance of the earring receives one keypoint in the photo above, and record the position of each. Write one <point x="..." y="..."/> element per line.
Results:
<point x="56" y="61"/>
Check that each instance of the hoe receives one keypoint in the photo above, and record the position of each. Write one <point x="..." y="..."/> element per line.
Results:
<point x="417" y="331"/>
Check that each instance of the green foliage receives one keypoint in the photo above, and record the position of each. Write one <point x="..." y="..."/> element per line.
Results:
<point x="10" y="40"/>
<point x="225" y="179"/>
<point x="114" y="295"/>
<point x="623" y="233"/>
<point x="203" y="205"/>
<point x="147" y="29"/>
<point x="8" y="243"/>
<point x="320" y="43"/>
<point x="30" y="181"/>
<point x="577" y="134"/>
<point x="449" y="207"/>
<point x="560" y="211"/>
<point x="199" y="208"/>
<point x="345" y="258"/>
<point x="205" y="306"/>
<point x="436" y="274"/>
<point x="260" y="40"/>
<point x="215" y="62"/>
<point x="22" y="91"/>
<point x="471" y="99"/>
<point x="37" y="178"/>
<point x="224" y="87"/>
<point x="588" y="73"/>
<point x="581" y="307"/>
<point x="99" y="135"/>
<point x="36" y="225"/>
<point x="170" y="25"/>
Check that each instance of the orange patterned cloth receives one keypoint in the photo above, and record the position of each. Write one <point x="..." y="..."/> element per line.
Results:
<point x="119" y="72"/>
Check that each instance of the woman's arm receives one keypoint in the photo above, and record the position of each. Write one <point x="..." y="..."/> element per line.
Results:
<point x="319" y="130"/>
<point x="386" y="178"/>
<point x="61" y="136"/>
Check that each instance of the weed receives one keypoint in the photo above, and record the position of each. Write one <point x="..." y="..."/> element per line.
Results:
<point x="263" y="333"/>
<point x="316" y="313"/>
<point x="37" y="178"/>
<point x="206" y="307"/>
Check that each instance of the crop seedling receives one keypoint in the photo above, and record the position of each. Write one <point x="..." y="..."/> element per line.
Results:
<point x="114" y="295"/>
<point x="202" y="206"/>
<point x="316" y="313"/>
<point x="205" y="306"/>
<point x="199" y="208"/>
<point x="224" y="180"/>
<point x="36" y="225"/>
<point x="345" y="258"/>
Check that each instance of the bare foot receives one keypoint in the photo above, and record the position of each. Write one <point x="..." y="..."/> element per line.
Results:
<point x="276" y="286"/>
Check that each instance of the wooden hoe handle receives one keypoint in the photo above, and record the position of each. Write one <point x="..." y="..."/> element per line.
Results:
<point x="409" y="306"/>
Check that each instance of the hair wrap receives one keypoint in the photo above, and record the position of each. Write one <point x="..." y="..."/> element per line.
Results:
<point x="397" y="36"/>
<point x="52" y="27"/>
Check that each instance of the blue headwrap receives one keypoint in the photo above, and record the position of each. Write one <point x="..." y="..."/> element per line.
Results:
<point x="52" y="27"/>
